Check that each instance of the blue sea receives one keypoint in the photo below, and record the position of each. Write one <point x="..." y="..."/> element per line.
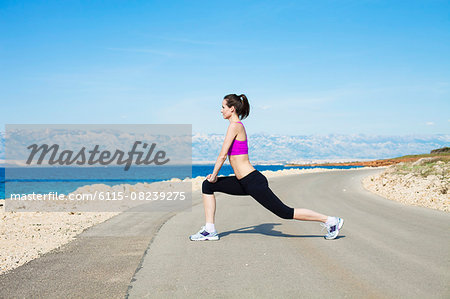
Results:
<point x="67" y="179"/>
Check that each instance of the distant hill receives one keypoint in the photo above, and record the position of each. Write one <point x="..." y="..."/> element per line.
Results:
<point x="441" y="150"/>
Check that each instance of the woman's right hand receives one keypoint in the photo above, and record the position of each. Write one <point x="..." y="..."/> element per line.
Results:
<point x="211" y="178"/>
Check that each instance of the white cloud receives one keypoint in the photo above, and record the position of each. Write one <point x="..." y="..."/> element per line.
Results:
<point x="429" y="123"/>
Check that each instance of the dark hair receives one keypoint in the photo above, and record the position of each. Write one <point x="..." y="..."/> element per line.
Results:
<point x="240" y="103"/>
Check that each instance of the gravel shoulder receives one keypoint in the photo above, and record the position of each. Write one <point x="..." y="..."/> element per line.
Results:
<point x="423" y="183"/>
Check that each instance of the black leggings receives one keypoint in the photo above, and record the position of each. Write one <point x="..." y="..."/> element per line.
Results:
<point x="254" y="184"/>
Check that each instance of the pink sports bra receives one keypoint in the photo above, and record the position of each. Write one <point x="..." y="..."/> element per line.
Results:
<point x="238" y="147"/>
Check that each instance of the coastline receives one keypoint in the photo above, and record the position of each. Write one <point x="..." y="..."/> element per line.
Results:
<point x="370" y="163"/>
<point x="25" y="236"/>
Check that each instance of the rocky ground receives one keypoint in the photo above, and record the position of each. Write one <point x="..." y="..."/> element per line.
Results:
<point x="25" y="236"/>
<point x="424" y="182"/>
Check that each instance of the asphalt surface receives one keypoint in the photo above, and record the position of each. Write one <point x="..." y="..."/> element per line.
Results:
<point x="385" y="250"/>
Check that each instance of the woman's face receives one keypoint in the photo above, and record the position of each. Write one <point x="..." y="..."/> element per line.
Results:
<point x="226" y="111"/>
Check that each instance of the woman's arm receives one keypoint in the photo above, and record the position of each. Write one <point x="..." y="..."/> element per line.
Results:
<point x="231" y="134"/>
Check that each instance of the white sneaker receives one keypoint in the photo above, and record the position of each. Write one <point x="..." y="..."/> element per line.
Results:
<point x="204" y="235"/>
<point x="333" y="229"/>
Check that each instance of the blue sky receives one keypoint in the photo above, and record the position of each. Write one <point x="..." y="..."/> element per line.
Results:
<point x="308" y="67"/>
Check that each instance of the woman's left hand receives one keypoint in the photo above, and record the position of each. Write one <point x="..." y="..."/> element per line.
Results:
<point x="211" y="178"/>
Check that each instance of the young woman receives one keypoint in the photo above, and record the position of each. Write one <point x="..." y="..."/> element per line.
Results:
<point x="247" y="180"/>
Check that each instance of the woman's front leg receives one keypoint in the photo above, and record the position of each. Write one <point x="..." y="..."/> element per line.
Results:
<point x="308" y="215"/>
<point x="209" y="203"/>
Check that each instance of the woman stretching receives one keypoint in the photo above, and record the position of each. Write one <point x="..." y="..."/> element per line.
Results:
<point x="247" y="180"/>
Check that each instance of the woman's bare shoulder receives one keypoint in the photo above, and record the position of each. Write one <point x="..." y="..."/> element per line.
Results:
<point x="234" y="126"/>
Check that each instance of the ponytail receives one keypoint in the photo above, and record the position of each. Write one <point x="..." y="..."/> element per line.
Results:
<point x="240" y="103"/>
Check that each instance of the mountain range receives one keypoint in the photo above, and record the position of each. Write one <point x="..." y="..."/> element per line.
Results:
<point x="316" y="148"/>
<point x="274" y="148"/>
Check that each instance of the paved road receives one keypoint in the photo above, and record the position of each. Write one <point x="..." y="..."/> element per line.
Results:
<point x="385" y="250"/>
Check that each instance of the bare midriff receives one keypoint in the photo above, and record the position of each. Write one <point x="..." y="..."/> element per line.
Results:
<point x="241" y="165"/>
